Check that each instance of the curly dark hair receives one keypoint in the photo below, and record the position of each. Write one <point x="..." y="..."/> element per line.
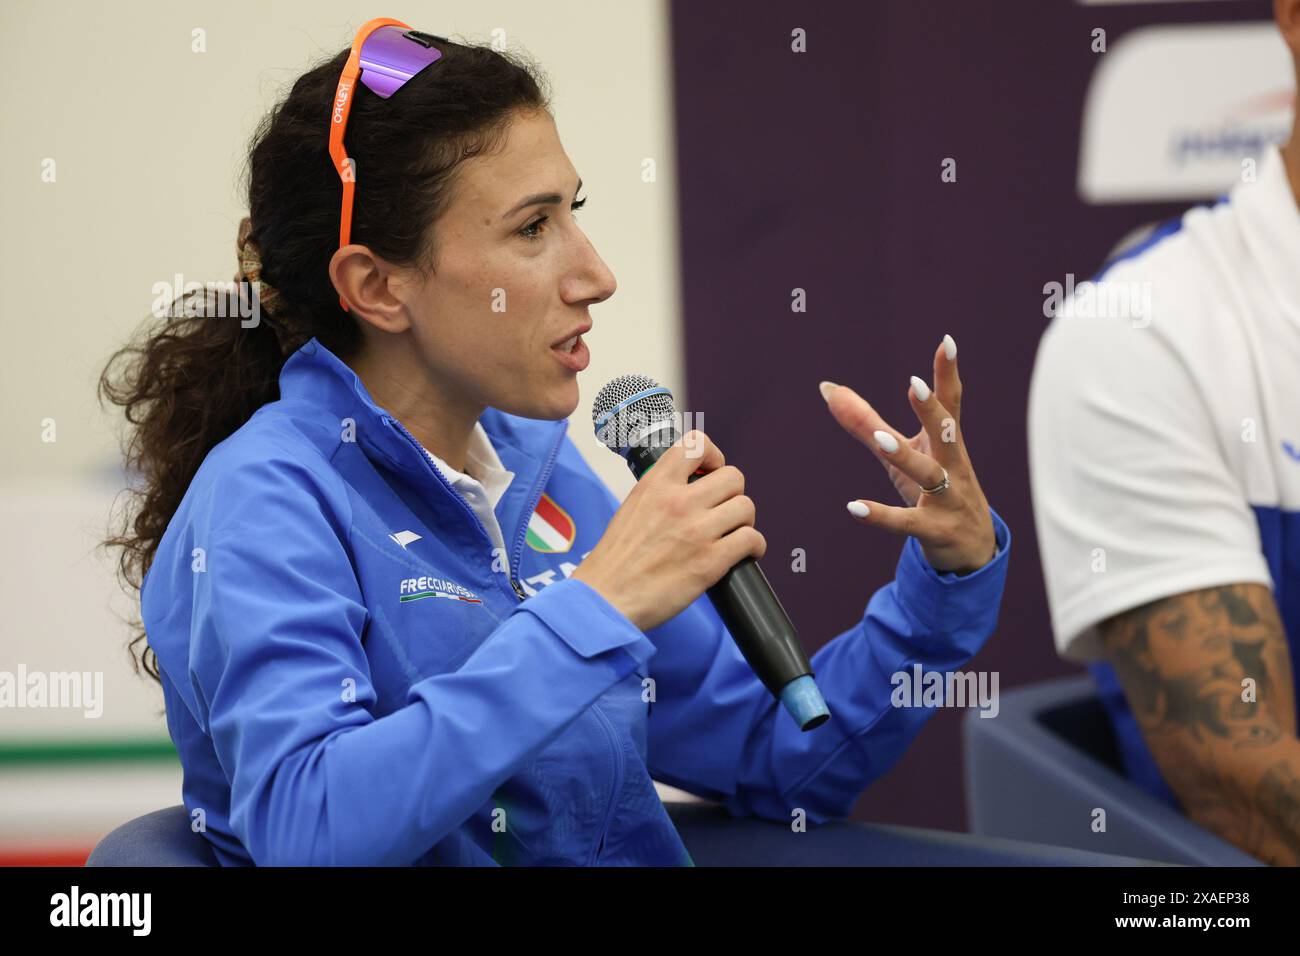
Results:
<point x="188" y="381"/>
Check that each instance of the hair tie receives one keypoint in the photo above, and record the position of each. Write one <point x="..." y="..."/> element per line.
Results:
<point x="250" y="267"/>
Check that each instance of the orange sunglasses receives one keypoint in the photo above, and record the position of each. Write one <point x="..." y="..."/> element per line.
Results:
<point x="385" y="54"/>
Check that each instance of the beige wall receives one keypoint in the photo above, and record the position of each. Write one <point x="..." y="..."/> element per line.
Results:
<point x="147" y="137"/>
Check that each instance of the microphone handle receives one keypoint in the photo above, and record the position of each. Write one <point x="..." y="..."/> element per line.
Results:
<point x="749" y="607"/>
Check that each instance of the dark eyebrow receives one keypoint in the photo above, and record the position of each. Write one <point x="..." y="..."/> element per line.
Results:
<point x="542" y="199"/>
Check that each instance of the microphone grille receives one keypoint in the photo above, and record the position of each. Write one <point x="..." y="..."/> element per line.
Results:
<point x="628" y="404"/>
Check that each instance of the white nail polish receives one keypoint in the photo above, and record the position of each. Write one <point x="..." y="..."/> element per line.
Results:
<point x="858" y="509"/>
<point x="949" y="347"/>
<point x="922" y="390"/>
<point x="826" y="388"/>
<point x="887" y="442"/>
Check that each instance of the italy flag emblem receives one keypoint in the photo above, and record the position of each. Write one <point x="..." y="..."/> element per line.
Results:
<point x="550" y="529"/>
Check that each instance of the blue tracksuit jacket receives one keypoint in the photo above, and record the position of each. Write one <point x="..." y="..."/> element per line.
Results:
<point x="342" y="693"/>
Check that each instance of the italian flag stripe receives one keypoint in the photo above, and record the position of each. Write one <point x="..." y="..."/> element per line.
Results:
<point x="550" y="528"/>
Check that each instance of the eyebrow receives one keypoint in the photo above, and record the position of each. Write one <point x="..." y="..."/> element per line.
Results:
<point x="542" y="199"/>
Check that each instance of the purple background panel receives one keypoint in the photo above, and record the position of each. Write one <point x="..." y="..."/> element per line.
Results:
<point x="821" y="171"/>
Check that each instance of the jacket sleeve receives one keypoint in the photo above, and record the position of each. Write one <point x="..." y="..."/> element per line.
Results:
<point x="278" y="670"/>
<point x="716" y="731"/>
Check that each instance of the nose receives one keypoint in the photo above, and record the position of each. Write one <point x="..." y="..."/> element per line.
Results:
<point x="590" y="280"/>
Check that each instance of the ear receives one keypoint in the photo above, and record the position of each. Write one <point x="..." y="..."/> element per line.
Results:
<point x="371" y="286"/>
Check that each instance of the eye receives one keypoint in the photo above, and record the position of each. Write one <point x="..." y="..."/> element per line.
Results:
<point x="530" y="231"/>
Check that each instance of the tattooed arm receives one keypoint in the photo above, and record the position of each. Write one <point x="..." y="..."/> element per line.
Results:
<point x="1208" y="676"/>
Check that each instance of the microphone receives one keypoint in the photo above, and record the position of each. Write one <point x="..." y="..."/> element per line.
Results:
<point x="635" y="417"/>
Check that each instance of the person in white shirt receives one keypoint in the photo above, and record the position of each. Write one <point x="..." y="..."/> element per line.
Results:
<point x="1164" y="439"/>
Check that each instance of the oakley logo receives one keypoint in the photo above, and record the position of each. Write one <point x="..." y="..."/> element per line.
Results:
<point x="341" y="100"/>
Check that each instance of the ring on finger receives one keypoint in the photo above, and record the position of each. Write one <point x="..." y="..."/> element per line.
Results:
<point x="943" y="485"/>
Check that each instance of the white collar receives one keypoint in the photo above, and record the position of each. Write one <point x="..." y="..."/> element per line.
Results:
<point x="482" y="466"/>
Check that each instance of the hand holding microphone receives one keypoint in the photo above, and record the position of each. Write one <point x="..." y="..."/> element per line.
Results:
<point x="673" y="538"/>
<point x="686" y="530"/>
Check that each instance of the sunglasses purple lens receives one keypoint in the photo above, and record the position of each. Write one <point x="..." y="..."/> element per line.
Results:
<point x="391" y="55"/>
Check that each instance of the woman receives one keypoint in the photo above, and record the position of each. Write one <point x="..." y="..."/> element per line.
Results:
<point x="396" y="617"/>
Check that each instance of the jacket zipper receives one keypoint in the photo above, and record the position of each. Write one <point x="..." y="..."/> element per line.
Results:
<point x="605" y="723"/>
<point x="536" y="496"/>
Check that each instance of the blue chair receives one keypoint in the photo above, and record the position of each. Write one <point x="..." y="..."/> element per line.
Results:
<point x="1039" y="769"/>
<point x="712" y="836"/>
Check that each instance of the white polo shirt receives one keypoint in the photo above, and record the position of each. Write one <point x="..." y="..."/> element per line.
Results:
<point x="1165" y="448"/>
<point x="482" y="483"/>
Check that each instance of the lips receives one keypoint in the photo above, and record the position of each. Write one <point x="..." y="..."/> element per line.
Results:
<point x="576" y="357"/>
<point x="570" y="339"/>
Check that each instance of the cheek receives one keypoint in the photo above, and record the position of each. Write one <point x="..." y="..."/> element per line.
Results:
<point x="501" y="329"/>
<point x="517" y="345"/>
<point x="527" y="326"/>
